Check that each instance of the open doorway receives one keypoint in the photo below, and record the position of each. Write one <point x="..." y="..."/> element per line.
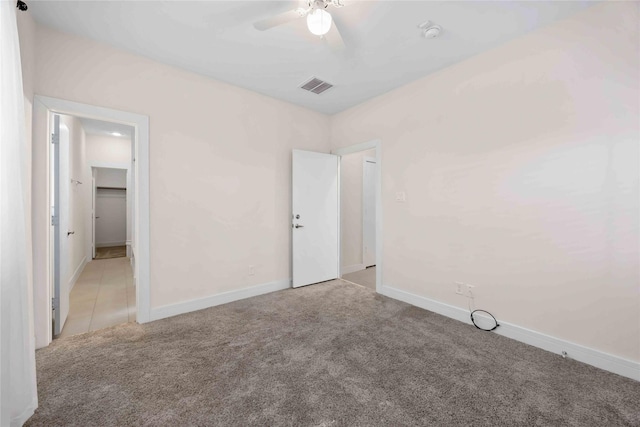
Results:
<point x="358" y="217"/>
<point x="111" y="213"/>
<point x="361" y="214"/>
<point x="70" y="141"/>
<point x="328" y="240"/>
<point x="92" y="210"/>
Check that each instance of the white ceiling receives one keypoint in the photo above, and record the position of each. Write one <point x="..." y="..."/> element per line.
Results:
<point x="385" y="49"/>
<point x="99" y="127"/>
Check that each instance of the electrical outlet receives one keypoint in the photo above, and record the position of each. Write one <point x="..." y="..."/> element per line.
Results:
<point x="252" y="270"/>
<point x="459" y="287"/>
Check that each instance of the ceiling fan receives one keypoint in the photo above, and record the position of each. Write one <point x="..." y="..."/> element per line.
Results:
<point x="319" y="21"/>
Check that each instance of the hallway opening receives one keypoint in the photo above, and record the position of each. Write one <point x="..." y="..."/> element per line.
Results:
<point x="103" y="296"/>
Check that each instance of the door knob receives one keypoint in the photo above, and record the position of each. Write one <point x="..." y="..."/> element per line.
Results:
<point x="299" y="226"/>
<point x="70" y="232"/>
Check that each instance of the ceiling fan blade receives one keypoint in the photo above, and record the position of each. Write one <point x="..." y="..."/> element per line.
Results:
<point x="334" y="38"/>
<point x="280" y="19"/>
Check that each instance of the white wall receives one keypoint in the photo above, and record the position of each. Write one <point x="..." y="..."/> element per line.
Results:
<point x="111" y="207"/>
<point x="351" y="171"/>
<point x="111" y="226"/>
<point x="520" y="168"/>
<point x="110" y="177"/>
<point x="108" y="149"/>
<point x="78" y="200"/>
<point x="220" y="163"/>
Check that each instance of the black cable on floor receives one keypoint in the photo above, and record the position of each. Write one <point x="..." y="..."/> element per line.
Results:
<point x="484" y="311"/>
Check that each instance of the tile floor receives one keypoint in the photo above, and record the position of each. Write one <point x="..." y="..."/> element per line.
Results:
<point x="366" y="277"/>
<point x="103" y="296"/>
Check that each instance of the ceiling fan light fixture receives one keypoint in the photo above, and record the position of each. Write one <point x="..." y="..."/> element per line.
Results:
<point x="319" y="22"/>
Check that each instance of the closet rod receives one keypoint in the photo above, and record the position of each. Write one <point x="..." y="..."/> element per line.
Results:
<point x="111" y="188"/>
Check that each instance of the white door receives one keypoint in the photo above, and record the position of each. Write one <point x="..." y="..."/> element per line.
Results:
<point x="315" y="217"/>
<point x="369" y="212"/>
<point x="60" y="222"/>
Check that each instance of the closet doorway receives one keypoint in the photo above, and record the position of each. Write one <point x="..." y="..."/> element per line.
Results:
<point x="111" y="216"/>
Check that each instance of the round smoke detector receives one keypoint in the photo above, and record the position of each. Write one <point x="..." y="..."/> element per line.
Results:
<point x="432" y="32"/>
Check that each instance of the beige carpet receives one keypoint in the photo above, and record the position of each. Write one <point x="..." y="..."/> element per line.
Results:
<point x="332" y="354"/>
<point x="111" y="252"/>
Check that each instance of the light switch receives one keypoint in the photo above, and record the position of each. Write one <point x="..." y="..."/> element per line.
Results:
<point x="401" y="196"/>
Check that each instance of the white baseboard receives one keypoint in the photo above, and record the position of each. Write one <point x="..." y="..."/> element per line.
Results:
<point x="77" y="273"/>
<point x="169" y="310"/>
<point x="352" y="268"/>
<point x="110" y="244"/>
<point x="599" y="359"/>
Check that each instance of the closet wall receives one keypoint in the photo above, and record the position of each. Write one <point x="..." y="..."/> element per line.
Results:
<point x="111" y="207"/>
<point x="78" y="193"/>
<point x="351" y="206"/>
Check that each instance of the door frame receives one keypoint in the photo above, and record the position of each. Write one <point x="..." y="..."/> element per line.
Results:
<point x="364" y="146"/>
<point x="366" y="160"/>
<point x="42" y="269"/>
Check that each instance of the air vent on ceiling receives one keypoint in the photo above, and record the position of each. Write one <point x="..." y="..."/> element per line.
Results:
<point x="316" y="86"/>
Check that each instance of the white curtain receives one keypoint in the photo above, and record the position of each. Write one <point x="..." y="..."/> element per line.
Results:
<point x="18" y="396"/>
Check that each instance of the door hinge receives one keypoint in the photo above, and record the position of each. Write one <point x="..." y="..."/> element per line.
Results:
<point x="55" y="138"/>
<point x="54" y="220"/>
<point x="54" y="303"/>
